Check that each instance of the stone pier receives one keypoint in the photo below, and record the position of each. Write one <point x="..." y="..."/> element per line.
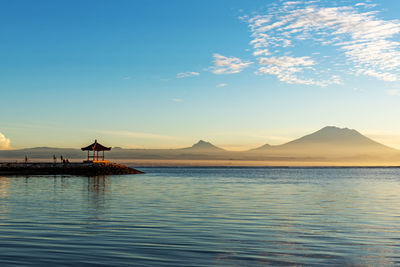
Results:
<point x="86" y="169"/>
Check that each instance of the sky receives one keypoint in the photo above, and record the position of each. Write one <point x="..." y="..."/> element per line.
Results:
<point x="165" y="74"/>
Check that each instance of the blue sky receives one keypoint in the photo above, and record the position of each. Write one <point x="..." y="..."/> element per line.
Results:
<point x="167" y="73"/>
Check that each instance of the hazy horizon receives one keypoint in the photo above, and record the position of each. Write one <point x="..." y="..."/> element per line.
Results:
<point x="232" y="147"/>
<point x="329" y="146"/>
<point x="196" y="142"/>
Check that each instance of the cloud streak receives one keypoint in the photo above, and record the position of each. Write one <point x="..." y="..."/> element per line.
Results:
<point x="138" y="135"/>
<point x="181" y="75"/>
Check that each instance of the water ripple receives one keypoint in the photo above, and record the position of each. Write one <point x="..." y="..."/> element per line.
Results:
<point x="203" y="217"/>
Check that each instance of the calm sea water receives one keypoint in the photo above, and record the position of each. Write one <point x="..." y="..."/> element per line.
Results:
<point x="204" y="217"/>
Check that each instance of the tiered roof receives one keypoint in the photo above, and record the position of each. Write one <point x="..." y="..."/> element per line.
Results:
<point x="96" y="147"/>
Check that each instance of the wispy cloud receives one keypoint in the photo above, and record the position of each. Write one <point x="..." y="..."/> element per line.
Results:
<point x="222" y="84"/>
<point x="187" y="74"/>
<point x="285" y="68"/>
<point x="364" y="41"/>
<point x="366" y="5"/>
<point x="261" y="52"/>
<point x="384" y="76"/>
<point x="4" y="142"/>
<point x="127" y="77"/>
<point x="176" y="100"/>
<point x="228" y="65"/>
<point x="138" y="135"/>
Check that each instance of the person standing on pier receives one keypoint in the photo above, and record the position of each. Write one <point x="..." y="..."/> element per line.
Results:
<point x="26" y="159"/>
<point x="54" y="158"/>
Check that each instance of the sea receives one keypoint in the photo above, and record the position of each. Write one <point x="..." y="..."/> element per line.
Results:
<point x="213" y="216"/>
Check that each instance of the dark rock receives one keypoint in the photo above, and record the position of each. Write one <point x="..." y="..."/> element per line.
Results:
<point x="86" y="169"/>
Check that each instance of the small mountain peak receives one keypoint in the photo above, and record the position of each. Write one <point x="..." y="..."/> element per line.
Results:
<point x="263" y="147"/>
<point x="267" y="145"/>
<point x="204" y="145"/>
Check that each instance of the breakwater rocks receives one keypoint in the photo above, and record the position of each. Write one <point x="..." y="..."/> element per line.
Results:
<point x="85" y="169"/>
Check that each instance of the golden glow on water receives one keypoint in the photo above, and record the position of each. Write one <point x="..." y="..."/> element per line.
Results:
<point x="4" y="191"/>
<point x="4" y="184"/>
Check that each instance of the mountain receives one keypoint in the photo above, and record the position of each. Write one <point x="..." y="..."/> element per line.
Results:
<point x="330" y="141"/>
<point x="261" y="148"/>
<point x="203" y="146"/>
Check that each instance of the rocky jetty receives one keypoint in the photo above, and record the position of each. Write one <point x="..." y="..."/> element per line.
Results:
<point x="85" y="169"/>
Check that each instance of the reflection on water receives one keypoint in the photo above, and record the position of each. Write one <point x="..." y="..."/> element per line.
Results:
<point x="98" y="184"/>
<point x="97" y="187"/>
<point x="4" y="184"/>
<point x="203" y="217"/>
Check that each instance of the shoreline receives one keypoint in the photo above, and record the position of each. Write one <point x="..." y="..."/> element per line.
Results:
<point x="73" y="168"/>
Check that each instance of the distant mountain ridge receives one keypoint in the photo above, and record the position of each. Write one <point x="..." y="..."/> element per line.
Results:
<point x="328" y="143"/>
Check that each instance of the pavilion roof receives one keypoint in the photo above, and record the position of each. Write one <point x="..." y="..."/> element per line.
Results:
<point x="96" y="147"/>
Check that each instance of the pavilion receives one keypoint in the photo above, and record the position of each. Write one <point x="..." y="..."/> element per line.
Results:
<point x="96" y="148"/>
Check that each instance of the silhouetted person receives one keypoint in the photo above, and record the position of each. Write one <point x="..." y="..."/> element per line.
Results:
<point x="26" y="159"/>
<point x="61" y="159"/>
<point x="54" y="158"/>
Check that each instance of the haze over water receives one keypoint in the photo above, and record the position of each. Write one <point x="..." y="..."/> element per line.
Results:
<point x="204" y="217"/>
